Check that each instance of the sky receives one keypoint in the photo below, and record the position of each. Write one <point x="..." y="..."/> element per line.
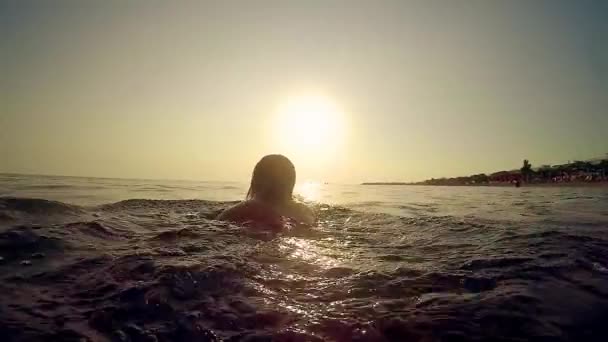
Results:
<point x="400" y="90"/>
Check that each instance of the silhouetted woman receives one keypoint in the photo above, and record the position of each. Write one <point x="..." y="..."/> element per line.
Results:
<point x="269" y="201"/>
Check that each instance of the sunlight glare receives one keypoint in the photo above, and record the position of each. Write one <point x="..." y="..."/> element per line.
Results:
<point x="309" y="127"/>
<point x="309" y="190"/>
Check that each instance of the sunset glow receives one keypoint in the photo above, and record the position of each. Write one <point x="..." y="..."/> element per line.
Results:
<point x="310" y="127"/>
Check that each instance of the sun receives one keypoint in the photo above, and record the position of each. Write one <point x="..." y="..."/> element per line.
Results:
<point x="309" y="126"/>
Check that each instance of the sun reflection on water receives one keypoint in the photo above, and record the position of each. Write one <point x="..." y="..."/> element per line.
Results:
<point x="302" y="249"/>
<point x="310" y="191"/>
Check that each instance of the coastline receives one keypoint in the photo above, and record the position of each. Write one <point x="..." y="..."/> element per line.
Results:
<point x="582" y="174"/>
<point x="524" y="185"/>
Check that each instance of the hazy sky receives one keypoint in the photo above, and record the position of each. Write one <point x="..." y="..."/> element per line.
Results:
<point x="190" y="89"/>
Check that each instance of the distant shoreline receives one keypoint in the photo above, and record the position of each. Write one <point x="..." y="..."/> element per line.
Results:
<point x="531" y="185"/>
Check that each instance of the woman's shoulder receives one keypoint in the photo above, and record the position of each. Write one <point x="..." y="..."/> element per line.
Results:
<point x="257" y="211"/>
<point x="245" y="211"/>
<point x="302" y="212"/>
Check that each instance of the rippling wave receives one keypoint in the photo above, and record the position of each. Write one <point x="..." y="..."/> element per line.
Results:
<point x="148" y="270"/>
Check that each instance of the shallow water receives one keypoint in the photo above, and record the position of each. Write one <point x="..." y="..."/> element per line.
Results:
<point x="384" y="264"/>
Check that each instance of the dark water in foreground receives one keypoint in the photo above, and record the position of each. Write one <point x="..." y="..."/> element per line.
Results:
<point x="383" y="264"/>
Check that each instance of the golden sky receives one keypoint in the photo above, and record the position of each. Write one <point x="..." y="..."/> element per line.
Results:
<point x="351" y="91"/>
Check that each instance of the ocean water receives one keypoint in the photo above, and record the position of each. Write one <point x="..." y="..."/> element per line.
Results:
<point x="143" y="260"/>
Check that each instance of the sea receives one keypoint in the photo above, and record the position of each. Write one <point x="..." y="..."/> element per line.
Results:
<point x="99" y="259"/>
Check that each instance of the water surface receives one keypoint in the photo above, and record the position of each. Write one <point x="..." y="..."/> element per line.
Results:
<point x="144" y="260"/>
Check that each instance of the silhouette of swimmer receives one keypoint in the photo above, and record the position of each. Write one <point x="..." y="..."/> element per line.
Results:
<point x="269" y="202"/>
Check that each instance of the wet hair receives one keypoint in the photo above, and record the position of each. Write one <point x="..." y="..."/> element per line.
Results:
<point x="273" y="179"/>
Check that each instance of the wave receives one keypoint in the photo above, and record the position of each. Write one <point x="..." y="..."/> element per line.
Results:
<point x="36" y="206"/>
<point x="27" y="242"/>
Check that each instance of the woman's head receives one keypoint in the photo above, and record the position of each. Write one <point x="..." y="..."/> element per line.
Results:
<point x="273" y="179"/>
